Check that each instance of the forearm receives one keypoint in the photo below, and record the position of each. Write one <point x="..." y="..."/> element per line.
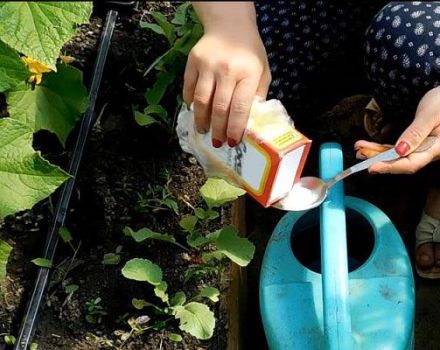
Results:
<point x="235" y="15"/>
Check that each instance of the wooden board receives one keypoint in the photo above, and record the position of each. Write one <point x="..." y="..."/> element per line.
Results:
<point x="236" y="298"/>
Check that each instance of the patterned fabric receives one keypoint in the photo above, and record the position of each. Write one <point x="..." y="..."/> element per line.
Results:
<point x="402" y="54"/>
<point x="400" y="46"/>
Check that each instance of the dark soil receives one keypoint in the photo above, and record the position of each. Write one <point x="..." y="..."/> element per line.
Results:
<point x="121" y="161"/>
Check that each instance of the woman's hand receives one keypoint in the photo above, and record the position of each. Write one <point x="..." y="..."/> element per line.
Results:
<point x="226" y="69"/>
<point x="426" y="122"/>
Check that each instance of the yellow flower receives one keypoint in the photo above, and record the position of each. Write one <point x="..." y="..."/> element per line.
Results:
<point x="36" y="68"/>
<point x="66" y="59"/>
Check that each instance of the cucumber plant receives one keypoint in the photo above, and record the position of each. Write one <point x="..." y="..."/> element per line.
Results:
<point x="181" y="33"/>
<point x="209" y="252"/>
<point x="42" y="92"/>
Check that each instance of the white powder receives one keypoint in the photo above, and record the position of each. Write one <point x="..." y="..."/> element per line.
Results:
<point x="299" y="198"/>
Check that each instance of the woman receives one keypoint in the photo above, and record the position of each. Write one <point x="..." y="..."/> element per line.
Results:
<point x="284" y="49"/>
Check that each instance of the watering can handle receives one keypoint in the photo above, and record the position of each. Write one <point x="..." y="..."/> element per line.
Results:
<point x="334" y="261"/>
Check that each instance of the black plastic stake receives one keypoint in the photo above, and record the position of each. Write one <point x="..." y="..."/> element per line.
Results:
<point x="29" y="322"/>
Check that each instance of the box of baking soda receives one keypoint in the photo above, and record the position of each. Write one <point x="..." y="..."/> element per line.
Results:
<point x="266" y="163"/>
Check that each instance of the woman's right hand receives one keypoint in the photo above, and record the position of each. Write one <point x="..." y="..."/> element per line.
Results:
<point x="226" y="69"/>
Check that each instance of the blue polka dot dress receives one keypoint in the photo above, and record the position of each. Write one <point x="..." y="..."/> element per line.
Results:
<point x="394" y="46"/>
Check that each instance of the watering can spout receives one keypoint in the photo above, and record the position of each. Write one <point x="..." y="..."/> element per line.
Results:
<point x="334" y="264"/>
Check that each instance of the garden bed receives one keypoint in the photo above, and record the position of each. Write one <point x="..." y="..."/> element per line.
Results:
<point x="125" y="177"/>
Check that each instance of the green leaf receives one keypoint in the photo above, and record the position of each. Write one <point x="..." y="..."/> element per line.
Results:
<point x="144" y="119"/>
<point x="33" y="346"/>
<point x="155" y="94"/>
<point x="142" y="270"/>
<point x="145" y="233"/>
<point x="12" y="69"/>
<point x="196" y="240"/>
<point x="217" y="192"/>
<point x="42" y="262"/>
<point x="175" y="337"/>
<point x="171" y="204"/>
<point x="71" y="288"/>
<point x="178" y="299"/>
<point x="210" y="293"/>
<point x="9" y="339"/>
<point x="188" y="223"/>
<point x="161" y="291"/>
<point x="156" y="110"/>
<point x="25" y="177"/>
<point x="139" y="304"/>
<point x="187" y="42"/>
<point x="196" y="319"/>
<point x="111" y="259"/>
<point x="152" y="26"/>
<point x="207" y="257"/>
<point x="39" y="29"/>
<point x="65" y="234"/>
<point x="238" y="249"/>
<point x="198" y="271"/>
<point x="167" y="27"/>
<point x="180" y="14"/>
<point x="55" y="105"/>
<point x="5" y="250"/>
<point x="200" y="213"/>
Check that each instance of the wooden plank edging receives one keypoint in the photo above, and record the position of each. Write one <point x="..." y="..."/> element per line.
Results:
<point x="236" y="297"/>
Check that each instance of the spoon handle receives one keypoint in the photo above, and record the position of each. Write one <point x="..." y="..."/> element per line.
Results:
<point x="391" y="154"/>
<point x="386" y="156"/>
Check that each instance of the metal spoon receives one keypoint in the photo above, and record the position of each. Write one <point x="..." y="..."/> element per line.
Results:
<point x="310" y="191"/>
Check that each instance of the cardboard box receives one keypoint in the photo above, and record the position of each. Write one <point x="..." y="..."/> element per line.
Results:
<point x="266" y="163"/>
<point x="270" y="166"/>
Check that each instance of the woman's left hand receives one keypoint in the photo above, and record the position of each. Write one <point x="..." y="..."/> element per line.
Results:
<point x="426" y="122"/>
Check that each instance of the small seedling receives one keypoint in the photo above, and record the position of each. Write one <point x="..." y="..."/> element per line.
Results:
<point x="159" y="197"/>
<point x="194" y="317"/>
<point x="94" y="311"/>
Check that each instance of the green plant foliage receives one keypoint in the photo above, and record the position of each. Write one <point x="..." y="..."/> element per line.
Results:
<point x="55" y="105"/>
<point x="211" y="293"/>
<point x="65" y="234"/>
<point x="238" y="249"/>
<point x="39" y="29"/>
<point x="182" y="33"/>
<point x="178" y="299"/>
<point x="71" y="288"/>
<point x="175" y="337"/>
<point x="9" y="339"/>
<point x="142" y="270"/>
<point x="5" y="250"/>
<point x="25" y="177"/>
<point x="145" y="233"/>
<point x="161" y="291"/>
<point x="111" y="259"/>
<point x="188" y="223"/>
<point x="217" y="192"/>
<point x="42" y="262"/>
<point x="196" y="319"/>
<point x="12" y="69"/>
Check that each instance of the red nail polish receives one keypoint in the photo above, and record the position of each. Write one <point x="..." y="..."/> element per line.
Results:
<point x="216" y="143"/>
<point x="402" y="148"/>
<point x="231" y="142"/>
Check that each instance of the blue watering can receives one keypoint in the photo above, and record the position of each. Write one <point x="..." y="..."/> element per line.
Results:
<point x="333" y="297"/>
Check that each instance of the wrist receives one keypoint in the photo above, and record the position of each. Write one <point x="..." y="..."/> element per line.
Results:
<point x="227" y="16"/>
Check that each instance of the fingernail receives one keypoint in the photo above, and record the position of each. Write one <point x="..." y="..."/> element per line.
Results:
<point x="402" y="148"/>
<point x="202" y="131"/>
<point x="216" y="143"/>
<point x="231" y="142"/>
